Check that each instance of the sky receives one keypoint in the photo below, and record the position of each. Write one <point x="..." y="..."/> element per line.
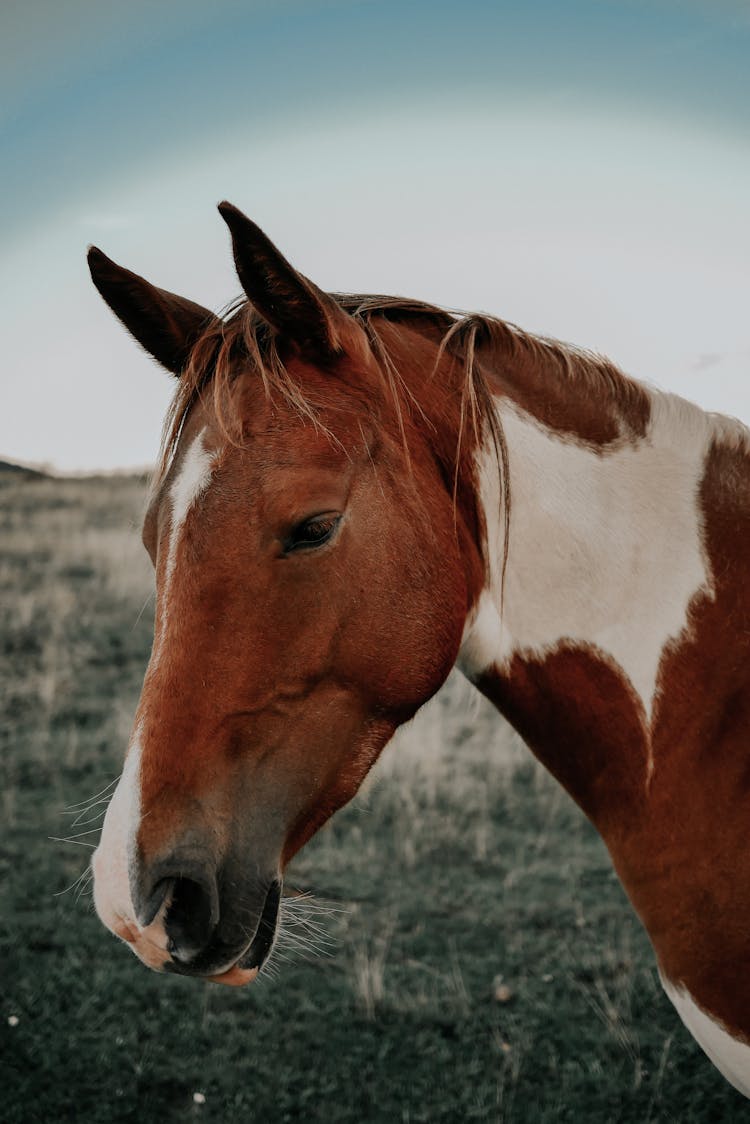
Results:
<point x="581" y="169"/>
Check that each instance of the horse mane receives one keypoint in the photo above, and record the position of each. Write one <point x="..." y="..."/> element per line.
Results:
<point x="479" y="342"/>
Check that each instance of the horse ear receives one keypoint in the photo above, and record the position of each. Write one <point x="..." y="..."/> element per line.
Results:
<point x="165" y="324"/>
<point x="286" y="300"/>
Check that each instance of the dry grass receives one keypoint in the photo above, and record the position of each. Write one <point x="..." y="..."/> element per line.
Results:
<point x="466" y="953"/>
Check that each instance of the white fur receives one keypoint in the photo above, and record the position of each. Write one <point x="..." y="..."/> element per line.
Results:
<point x="604" y="547"/>
<point x="114" y="855"/>
<point x="191" y="482"/>
<point x="730" y="1056"/>
<point x="483" y="637"/>
<point x="112" y="863"/>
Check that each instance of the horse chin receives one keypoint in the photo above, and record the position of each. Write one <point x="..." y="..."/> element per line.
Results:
<point x="235" y="977"/>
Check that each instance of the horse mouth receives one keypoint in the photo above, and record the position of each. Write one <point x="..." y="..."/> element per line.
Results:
<point x="262" y="943"/>
<point x="252" y="960"/>
<point x="248" y="963"/>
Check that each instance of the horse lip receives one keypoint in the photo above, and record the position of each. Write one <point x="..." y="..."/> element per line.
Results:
<point x="262" y="943"/>
<point x="235" y="977"/>
<point x="254" y="955"/>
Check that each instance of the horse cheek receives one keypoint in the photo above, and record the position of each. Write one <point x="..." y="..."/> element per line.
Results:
<point x="407" y="634"/>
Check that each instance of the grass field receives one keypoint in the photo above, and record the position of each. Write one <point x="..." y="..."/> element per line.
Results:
<point x="466" y="954"/>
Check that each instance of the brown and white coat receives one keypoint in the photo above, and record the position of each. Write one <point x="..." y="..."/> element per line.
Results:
<point x="359" y="493"/>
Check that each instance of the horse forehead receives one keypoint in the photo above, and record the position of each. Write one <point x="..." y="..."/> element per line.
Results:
<point x="274" y="464"/>
<point x="193" y="478"/>
<point x="187" y="483"/>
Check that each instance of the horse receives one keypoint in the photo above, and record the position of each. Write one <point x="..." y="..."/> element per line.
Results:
<point x="357" y="493"/>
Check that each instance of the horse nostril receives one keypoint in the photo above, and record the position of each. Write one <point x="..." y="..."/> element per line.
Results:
<point x="149" y="906"/>
<point x="191" y="918"/>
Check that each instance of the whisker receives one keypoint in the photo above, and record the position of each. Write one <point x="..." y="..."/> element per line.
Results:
<point x="89" y="799"/>
<point x="302" y="932"/>
<point x="308" y="923"/>
<point x="88" y="831"/>
<point x="307" y="902"/>
<point x="293" y="940"/>
<point x="79" y="880"/>
<point x="306" y="930"/>
<point x="78" y="812"/>
<point x="142" y="609"/>
<point x="78" y="822"/>
<point x="85" y="882"/>
<point x="269" y="971"/>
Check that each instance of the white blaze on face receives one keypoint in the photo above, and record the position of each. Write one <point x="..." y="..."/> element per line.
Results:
<point x="112" y="857"/>
<point x="112" y="862"/>
<point x="115" y="854"/>
<point x="605" y="547"/>
<point x="730" y="1056"/>
<point x="191" y="482"/>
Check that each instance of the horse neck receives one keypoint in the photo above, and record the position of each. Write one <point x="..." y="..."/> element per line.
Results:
<point x="618" y="645"/>
<point x="604" y="557"/>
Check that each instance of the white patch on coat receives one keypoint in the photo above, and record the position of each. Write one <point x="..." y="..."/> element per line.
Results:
<point x="483" y="637"/>
<point x="112" y="864"/>
<point x="605" y="547"/>
<point x="114" y="855"/>
<point x="191" y="482"/>
<point x="730" y="1056"/>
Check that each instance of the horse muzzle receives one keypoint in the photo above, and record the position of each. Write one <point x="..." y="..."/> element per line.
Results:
<point x="184" y="914"/>
<point x="198" y="947"/>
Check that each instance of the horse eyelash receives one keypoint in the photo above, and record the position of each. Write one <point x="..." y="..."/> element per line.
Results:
<point x="291" y="546"/>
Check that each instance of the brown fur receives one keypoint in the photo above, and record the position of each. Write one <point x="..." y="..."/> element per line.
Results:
<point x="569" y="390"/>
<point x="281" y="677"/>
<point x="678" y="837"/>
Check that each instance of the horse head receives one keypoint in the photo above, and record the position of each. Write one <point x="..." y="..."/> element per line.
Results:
<point x="314" y="570"/>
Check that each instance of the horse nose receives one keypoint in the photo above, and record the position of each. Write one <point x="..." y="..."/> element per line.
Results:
<point x="183" y="896"/>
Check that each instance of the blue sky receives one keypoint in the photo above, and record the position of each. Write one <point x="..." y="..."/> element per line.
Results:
<point x="580" y="168"/>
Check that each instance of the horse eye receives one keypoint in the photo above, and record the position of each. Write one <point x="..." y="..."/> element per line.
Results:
<point x="312" y="532"/>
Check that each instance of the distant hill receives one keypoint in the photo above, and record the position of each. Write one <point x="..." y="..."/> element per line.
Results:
<point x="8" y="468"/>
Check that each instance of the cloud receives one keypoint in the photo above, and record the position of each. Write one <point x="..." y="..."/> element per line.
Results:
<point x="706" y="360"/>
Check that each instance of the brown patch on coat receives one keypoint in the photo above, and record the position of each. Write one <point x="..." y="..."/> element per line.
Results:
<point x="572" y="392"/>
<point x="678" y="836"/>
<point x="695" y="900"/>
<point x="580" y="716"/>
